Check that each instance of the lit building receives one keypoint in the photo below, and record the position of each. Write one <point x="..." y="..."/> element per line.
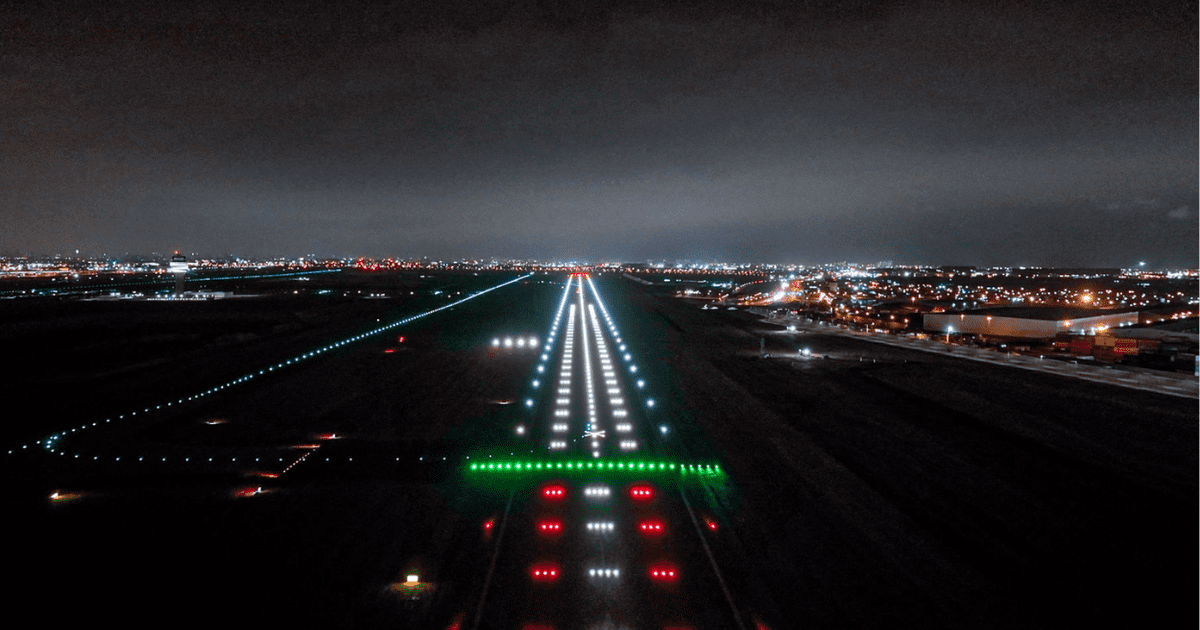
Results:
<point x="1027" y="323"/>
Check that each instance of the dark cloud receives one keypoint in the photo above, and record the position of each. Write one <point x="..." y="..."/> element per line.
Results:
<point x="578" y="129"/>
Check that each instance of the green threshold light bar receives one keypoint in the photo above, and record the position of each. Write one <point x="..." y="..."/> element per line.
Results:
<point x="560" y="466"/>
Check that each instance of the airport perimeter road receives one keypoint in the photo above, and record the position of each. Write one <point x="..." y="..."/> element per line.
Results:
<point x="598" y="529"/>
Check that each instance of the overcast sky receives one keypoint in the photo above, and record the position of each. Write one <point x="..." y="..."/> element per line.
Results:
<point x="1050" y="132"/>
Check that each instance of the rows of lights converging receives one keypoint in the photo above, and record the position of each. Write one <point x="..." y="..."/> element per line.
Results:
<point x="51" y="443"/>
<point x="592" y="427"/>
<point x="626" y="355"/>
<point x="593" y="474"/>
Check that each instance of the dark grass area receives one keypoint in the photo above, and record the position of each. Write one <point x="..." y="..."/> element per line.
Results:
<point x="152" y="542"/>
<point x="878" y="487"/>
<point x="893" y="488"/>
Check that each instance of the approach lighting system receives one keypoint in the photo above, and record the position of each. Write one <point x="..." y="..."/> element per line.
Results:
<point x="544" y="572"/>
<point x="641" y="492"/>
<point x="650" y="528"/>
<point x="663" y="572"/>
<point x="549" y="528"/>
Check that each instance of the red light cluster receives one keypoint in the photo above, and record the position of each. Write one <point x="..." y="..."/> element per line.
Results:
<point x="641" y="493"/>
<point x="550" y="527"/>
<point x="554" y="492"/>
<point x="543" y="572"/>
<point x="662" y="573"/>
<point x="651" y="528"/>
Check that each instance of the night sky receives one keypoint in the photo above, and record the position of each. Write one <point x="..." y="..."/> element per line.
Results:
<point x="988" y="133"/>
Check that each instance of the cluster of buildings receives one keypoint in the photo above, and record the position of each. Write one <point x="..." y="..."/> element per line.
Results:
<point x="1111" y="315"/>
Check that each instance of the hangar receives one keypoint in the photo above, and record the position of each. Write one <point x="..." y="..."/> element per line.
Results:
<point x="1027" y="323"/>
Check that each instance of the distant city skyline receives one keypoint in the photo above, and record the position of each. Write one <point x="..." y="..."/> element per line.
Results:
<point x="1058" y="133"/>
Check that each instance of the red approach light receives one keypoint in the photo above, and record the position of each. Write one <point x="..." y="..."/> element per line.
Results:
<point x="400" y="339"/>
<point x="651" y="528"/>
<point x="544" y="572"/>
<point x="554" y="492"/>
<point x="488" y="525"/>
<point x="389" y="350"/>
<point x="663" y="573"/>
<point x="550" y="528"/>
<point x="641" y="493"/>
<point x="712" y="525"/>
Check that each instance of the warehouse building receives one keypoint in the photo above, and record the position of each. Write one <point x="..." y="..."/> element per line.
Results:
<point x="1027" y="323"/>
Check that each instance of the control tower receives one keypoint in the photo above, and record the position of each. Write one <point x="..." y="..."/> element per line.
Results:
<point x="179" y="268"/>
